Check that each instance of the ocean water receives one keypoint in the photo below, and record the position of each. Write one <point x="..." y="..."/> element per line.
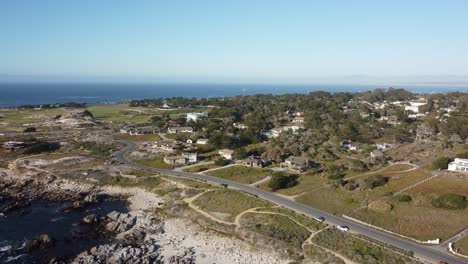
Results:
<point x="15" y="94"/>
<point x="42" y="217"/>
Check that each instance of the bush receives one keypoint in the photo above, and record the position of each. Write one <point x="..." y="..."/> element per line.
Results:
<point x="29" y="129"/>
<point x="405" y="198"/>
<point x="463" y="155"/>
<point x="222" y="162"/>
<point x="37" y="148"/>
<point x="450" y="201"/>
<point x="440" y="163"/>
<point x="334" y="172"/>
<point x="281" y="181"/>
<point x="376" y="181"/>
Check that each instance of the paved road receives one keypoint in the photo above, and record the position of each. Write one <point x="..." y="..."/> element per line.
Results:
<point x="431" y="254"/>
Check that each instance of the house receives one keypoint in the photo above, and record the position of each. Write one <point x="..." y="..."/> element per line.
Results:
<point x="166" y="145"/>
<point x="240" y="126"/>
<point x="13" y="145"/>
<point x="194" y="116"/>
<point x="296" y="163"/>
<point x="298" y="118"/>
<point x="458" y="165"/>
<point x="392" y="120"/>
<point x="253" y="161"/>
<point x="126" y="129"/>
<point x="382" y="146"/>
<point x="165" y="105"/>
<point x="226" y="153"/>
<point x="173" y="130"/>
<point x="202" y="141"/>
<point x="348" y="144"/>
<point x="174" y="160"/>
<point x="190" y="157"/>
<point x="415" y="107"/>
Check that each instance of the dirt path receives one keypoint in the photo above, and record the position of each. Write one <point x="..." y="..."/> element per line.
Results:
<point x="267" y="178"/>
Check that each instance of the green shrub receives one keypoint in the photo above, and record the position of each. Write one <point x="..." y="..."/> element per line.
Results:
<point x="450" y="201"/>
<point x="29" y="129"/>
<point x="405" y="198"/>
<point x="222" y="162"/>
<point x="281" y="181"/>
<point x="440" y="163"/>
<point x="463" y="155"/>
<point x="376" y="181"/>
<point x="37" y="148"/>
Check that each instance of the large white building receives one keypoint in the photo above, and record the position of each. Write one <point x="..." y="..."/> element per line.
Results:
<point x="414" y="107"/>
<point x="194" y="116"/>
<point x="458" y="165"/>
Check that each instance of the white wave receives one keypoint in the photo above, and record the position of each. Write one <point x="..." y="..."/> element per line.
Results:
<point x="56" y="219"/>
<point x="5" y="248"/>
<point x="10" y="259"/>
<point x="2" y="215"/>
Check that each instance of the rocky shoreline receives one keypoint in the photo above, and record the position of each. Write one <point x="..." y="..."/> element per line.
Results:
<point x="140" y="235"/>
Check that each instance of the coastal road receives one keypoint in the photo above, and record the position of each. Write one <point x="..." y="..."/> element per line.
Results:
<point x="427" y="253"/>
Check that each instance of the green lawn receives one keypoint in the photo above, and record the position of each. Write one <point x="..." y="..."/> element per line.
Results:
<point x="156" y="163"/>
<point x="241" y="174"/>
<point x="16" y="119"/>
<point x="121" y="113"/>
<point x="226" y="204"/>
<point x="139" y="138"/>
<point x="462" y="245"/>
<point x="200" y="168"/>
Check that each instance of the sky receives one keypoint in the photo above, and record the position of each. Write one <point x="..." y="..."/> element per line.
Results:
<point x="261" y="41"/>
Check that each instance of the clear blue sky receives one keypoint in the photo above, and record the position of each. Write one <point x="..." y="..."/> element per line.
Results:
<point x="236" y="41"/>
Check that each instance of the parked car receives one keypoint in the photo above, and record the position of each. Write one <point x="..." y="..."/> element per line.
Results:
<point x="224" y="185"/>
<point x="343" y="228"/>
<point x="319" y="219"/>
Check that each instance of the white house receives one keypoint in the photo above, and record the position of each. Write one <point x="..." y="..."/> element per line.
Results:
<point x="202" y="141"/>
<point x="382" y="146"/>
<point x="194" y="116"/>
<point x="226" y="153"/>
<point x="458" y="165"/>
<point x="240" y="126"/>
<point x="414" y="107"/>
<point x="173" y="130"/>
<point x="190" y="157"/>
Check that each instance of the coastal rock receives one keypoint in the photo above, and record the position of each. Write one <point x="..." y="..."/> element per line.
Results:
<point x="132" y="227"/>
<point x="90" y="219"/>
<point x="15" y="206"/>
<point x="42" y="242"/>
<point x="119" y="254"/>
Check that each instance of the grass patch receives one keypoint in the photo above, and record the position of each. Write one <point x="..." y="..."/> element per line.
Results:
<point x="419" y="218"/>
<point x="303" y="220"/>
<point x="358" y="250"/>
<point x="319" y="255"/>
<point x="240" y="174"/>
<point x="138" y="138"/>
<point x="201" y="168"/>
<point x="121" y="113"/>
<point x="192" y="183"/>
<point x="147" y="183"/>
<point x="462" y="246"/>
<point x="277" y="228"/>
<point x="226" y="204"/>
<point x="156" y="163"/>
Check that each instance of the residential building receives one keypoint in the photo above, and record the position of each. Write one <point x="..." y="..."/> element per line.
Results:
<point x="382" y="146"/>
<point x="173" y="130"/>
<point x="166" y="145"/>
<point x="415" y="107"/>
<point x="175" y="160"/>
<point x="240" y="126"/>
<point x="296" y="163"/>
<point x="190" y="157"/>
<point x="458" y="165"/>
<point x="254" y="161"/>
<point x="226" y="153"/>
<point x="126" y="129"/>
<point x="202" y="141"/>
<point x="195" y="116"/>
<point x="348" y="144"/>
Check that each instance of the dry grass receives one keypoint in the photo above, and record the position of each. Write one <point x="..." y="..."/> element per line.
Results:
<point x="200" y="168"/>
<point x="419" y="219"/>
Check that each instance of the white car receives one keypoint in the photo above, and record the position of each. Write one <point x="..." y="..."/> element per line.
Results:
<point x="319" y="219"/>
<point x="343" y="228"/>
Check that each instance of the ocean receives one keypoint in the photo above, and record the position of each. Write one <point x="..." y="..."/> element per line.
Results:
<point x="15" y="94"/>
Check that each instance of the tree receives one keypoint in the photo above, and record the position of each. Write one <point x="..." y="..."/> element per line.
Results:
<point x="222" y="162"/>
<point x="405" y="198"/>
<point x="29" y="129"/>
<point x="440" y="163"/>
<point x="376" y="181"/>
<point x="281" y="181"/>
